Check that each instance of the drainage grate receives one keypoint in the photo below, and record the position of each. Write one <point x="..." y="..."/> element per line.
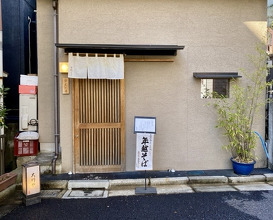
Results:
<point x="50" y="193"/>
<point x="85" y="194"/>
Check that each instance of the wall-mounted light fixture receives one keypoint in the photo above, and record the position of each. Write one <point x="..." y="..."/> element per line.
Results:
<point x="31" y="183"/>
<point x="63" y="67"/>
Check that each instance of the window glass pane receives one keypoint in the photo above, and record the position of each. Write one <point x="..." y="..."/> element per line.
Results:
<point x="220" y="86"/>
<point x="206" y="88"/>
<point x="209" y="86"/>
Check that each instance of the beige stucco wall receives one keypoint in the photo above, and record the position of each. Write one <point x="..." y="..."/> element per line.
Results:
<point x="217" y="35"/>
<point x="45" y="75"/>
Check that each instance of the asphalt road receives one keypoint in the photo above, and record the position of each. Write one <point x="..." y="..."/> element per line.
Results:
<point x="221" y="205"/>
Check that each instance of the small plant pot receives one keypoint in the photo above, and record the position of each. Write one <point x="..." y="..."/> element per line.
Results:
<point x="242" y="168"/>
<point x="7" y="180"/>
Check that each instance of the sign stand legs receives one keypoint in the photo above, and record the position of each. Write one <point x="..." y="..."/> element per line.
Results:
<point x="145" y="180"/>
<point x="145" y="189"/>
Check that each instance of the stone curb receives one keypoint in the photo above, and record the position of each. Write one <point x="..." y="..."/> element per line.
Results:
<point x="269" y="177"/>
<point x="76" y="184"/>
<point x="207" y="179"/>
<point x="127" y="182"/>
<point x="108" y="184"/>
<point x="150" y="181"/>
<point x="247" y="179"/>
<point x="170" y="181"/>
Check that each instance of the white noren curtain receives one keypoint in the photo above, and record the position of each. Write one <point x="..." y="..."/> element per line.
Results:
<point x="96" y="67"/>
<point x="77" y="66"/>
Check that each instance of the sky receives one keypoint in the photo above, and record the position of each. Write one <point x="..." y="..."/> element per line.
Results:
<point x="269" y="2"/>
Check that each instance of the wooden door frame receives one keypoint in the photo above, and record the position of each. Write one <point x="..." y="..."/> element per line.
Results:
<point x="76" y="129"/>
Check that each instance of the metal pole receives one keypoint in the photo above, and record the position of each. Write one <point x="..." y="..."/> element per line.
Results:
<point x="270" y="131"/>
<point x="145" y="181"/>
<point x="56" y="109"/>
<point x="2" y="154"/>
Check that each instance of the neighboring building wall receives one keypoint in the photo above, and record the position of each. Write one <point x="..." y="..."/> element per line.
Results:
<point x="16" y="15"/>
<point x="16" y="49"/>
<point x="218" y="35"/>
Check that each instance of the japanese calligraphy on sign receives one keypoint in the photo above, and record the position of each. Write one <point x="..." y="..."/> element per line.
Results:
<point x="33" y="180"/>
<point x="144" y="151"/>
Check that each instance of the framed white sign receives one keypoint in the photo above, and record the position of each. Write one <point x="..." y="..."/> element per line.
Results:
<point x="145" y="125"/>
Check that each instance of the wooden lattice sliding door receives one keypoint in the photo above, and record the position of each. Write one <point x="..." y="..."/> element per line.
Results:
<point x="99" y="132"/>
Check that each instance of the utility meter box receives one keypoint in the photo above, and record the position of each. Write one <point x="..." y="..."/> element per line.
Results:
<point x="28" y="112"/>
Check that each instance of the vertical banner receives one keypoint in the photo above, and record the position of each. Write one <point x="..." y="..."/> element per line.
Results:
<point x="144" y="151"/>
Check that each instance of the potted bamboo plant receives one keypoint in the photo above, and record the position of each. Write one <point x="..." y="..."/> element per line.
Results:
<point x="236" y="115"/>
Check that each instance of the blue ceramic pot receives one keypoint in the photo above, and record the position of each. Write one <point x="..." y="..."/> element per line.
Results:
<point x="242" y="168"/>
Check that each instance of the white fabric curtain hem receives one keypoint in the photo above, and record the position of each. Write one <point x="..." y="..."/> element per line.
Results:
<point x="83" y="67"/>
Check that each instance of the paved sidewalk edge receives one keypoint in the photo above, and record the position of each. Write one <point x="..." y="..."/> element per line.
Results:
<point x="65" y="184"/>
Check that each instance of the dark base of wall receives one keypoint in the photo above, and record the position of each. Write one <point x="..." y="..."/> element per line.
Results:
<point x="270" y="166"/>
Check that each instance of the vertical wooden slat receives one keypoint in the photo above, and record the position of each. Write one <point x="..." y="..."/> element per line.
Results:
<point x="81" y="147"/>
<point x="85" y="147"/>
<point x="97" y="101"/>
<point x="118" y="101"/>
<point x="75" y="84"/>
<point x="83" y="104"/>
<point x="107" y="146"/>
<point x="99" y="147"/>
<point x="103" y="102"/>
<point x="92" y="148"/>
<point x="88" y="147"/>
<point x="92" y="102"/>
<point x="83" y="101"/>
<point x="115" y="146"/>
<point x="80" y="100"/>
<point x="100" y="103"/>
<point x="114" y="101"/>
<point x="102" y="147"/>
<point x="95" y="146"/>
<point x="111" y="144"/>
<point x="89" y="101"/>
<point x="106" y="99"/>
<point x="110" y="101"/>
